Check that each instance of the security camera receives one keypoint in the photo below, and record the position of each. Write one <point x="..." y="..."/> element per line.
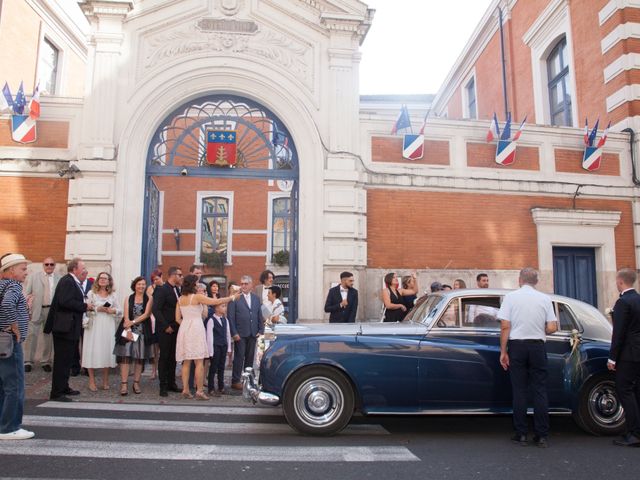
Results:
<point x="62" y="172"/>
<point x="183" y="172"/>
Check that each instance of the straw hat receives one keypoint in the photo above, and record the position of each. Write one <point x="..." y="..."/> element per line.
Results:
<point x="11" y="260"/>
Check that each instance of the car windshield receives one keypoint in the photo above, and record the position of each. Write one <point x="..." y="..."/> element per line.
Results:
<point x="424" y="308"/>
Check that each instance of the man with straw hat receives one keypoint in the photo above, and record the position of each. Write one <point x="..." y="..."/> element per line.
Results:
<point x="14" y="318"/>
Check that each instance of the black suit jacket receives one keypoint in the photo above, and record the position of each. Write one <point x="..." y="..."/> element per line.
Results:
<point x="67" y="308"/>
<point x="164" y="307"/>
<point x="337" y="313"/>
<point x="244" y="320"/>
<point x="625" y="341"/>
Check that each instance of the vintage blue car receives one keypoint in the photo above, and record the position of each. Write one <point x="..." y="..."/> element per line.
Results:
<point x="443" y="359"/>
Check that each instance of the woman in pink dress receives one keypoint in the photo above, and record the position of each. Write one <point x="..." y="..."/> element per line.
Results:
<point x="191" y="344"/>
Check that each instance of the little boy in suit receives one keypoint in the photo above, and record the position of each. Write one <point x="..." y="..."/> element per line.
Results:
<point x="221" y="342"/>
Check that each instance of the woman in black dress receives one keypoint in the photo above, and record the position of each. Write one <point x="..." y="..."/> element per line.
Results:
<point x="395" y="310"/>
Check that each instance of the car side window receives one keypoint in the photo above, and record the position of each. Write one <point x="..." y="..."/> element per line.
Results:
<point x="450" y="316"/>
<point x="481" y="312"/>
<point x="565" y="317"/>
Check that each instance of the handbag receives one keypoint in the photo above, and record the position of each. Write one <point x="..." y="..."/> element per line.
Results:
<point x="6" y="338"/>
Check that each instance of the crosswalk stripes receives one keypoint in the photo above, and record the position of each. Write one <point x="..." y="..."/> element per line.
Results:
<point x="100" y="416"/>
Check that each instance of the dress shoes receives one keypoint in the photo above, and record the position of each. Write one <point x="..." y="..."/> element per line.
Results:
<point x="61" y="398"/>
<point x="164" y="393"/>
<point x="540" y="442"/>
<point x="27" y="368"/>
<point x="46" y="368"/>
<point x="629" y="440"/>
<point x="520" y="439"/>
<point x="71" y="392"/>
<point x="174" y="388"/>
<point x="236" y="386"/>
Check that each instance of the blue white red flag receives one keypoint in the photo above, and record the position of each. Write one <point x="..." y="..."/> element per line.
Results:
<point x="494" y="129"/>
<point x="592" y="135"/>
<point x="403" y="121"/>
<point x="34" y="104"/>
<point x="586" y="131"/>
<point x="221" y="147"/>
<point x="506" y="131"/>
<point x="519" y="132"/>
<point x="505" y="152"/>
<point x="6" y="100"/>
<point x="592" y="158"/>
<point x="23" y="129"/>
<point x="20" y="101"/>
<point x="413" y="146"/>
<point x="603" y="138"/>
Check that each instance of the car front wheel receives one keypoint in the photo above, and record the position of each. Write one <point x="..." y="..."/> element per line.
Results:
<point x="599" y="410"/>
<point x="318" y="401"/>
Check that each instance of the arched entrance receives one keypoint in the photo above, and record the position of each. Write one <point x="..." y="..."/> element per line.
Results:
<point x="222" y="189"/>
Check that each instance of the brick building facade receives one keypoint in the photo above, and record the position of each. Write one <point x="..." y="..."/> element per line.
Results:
<point x="125" y="69"/>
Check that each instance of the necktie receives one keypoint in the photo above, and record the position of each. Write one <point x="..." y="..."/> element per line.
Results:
<point x="47" y="291"/>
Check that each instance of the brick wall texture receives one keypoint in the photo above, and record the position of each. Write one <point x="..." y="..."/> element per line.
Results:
<point x="33" y="219"/>
<point x="469" y="230"/>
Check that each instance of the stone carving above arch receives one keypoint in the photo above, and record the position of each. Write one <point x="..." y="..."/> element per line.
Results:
<point x="243" y="38"/>
<point x="230" y="7"/>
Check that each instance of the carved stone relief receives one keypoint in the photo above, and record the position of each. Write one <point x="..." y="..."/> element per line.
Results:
<point x="224" y="36"/>
<point x="230" y="7"/>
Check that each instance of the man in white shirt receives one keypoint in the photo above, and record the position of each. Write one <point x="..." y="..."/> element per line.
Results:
<point x="41" y="285"/>
<point x="527" y="317"/>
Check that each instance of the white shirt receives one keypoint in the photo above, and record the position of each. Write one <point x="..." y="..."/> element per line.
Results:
<point x="344" y="292"/>
<point x="50" y="280"/>
<point x="247" y="297"/>
<point x="529" y="311"/>
<point x="265" y="292"/>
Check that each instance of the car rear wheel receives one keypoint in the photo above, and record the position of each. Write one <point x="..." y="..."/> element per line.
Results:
<point x="318" y="401"/>
<point x="599" y="410"/>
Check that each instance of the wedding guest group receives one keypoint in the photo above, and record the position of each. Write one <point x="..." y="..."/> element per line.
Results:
<point x="14" y="322"/>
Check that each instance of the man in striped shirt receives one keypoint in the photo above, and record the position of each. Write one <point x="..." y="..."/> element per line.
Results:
<point x="14" y="318"/>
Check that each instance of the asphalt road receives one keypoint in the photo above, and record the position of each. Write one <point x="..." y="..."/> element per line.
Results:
<point x="227" y="439"/>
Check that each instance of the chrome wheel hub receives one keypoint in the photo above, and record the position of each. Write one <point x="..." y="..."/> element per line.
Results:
<point x="319" y="401"/>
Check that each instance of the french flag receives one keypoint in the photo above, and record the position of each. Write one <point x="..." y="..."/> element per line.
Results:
<point x="603" y="139"/>
<point x="494" y="129"/>
<point x="519" y="132"/>
<point x="34" y="104"/>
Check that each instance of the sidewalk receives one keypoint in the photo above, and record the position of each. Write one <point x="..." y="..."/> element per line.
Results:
<point x="38" y="386"/>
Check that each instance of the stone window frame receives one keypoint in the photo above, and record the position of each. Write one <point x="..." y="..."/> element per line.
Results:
<point x="546" y="31"/>
<point x="466" y="111"/>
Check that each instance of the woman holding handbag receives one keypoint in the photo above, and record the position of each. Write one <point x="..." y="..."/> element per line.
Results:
<point x="99" y="330"/>
<point x="133" y="344"/>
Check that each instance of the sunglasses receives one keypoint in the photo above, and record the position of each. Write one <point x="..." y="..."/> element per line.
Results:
<point x="49" y="264"/>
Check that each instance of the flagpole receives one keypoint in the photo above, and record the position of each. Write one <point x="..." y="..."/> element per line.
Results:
<point x="504" y="65"/>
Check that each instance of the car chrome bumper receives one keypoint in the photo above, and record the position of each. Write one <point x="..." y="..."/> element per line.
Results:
<point x="251" y="391"/>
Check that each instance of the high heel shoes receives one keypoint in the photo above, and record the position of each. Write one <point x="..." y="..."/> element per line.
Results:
<point x="202" y="396"/>
<point x="124" y="388"/>
<point x="187" y="395"/>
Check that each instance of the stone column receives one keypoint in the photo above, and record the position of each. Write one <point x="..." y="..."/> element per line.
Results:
<point x="92" y="190"/>
<point x="345" y="227"/>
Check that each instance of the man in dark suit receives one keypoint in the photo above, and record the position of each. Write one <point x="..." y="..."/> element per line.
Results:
<point x="245" y="324"/>
<point x="65" y="323"/>
<point x="342" y="300"/>
<point x="624" y="356"/>
<point x="164" y="310"/>
<point x="87" y="284"/>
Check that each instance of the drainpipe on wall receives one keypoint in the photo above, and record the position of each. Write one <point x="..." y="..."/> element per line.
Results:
<point x="632" y="135"/>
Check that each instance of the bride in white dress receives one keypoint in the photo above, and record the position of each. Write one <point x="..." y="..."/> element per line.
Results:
<point x="99" y="330"/>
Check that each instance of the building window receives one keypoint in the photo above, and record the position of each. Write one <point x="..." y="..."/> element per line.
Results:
<point x="559" y="89"/>
<point x="48" y="67"/>
<point x="281" y="225"/>
<point x="215" y="226"/>
<point x="471" y="98"/>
